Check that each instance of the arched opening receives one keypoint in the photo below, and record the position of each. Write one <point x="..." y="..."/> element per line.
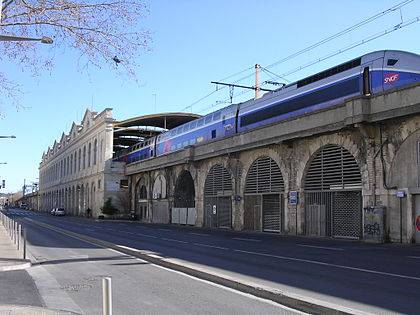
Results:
<point x="264" y="196"/>
<point x="218" y="198"/>
<point x="184" y="211"/>
<point x="333" y="194"/>
<point x="141" y="200"/>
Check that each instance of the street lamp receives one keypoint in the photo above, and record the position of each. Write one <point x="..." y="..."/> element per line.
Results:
<point x="3" y="137"/>
<point x="44" y="39"/>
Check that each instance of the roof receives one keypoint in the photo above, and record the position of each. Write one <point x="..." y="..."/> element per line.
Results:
<point x="164" y="120"/>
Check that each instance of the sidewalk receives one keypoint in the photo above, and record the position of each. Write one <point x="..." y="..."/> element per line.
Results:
<point x="10" y="257"/>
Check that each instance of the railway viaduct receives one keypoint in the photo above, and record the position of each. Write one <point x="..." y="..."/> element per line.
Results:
<point x="349" y="171"/>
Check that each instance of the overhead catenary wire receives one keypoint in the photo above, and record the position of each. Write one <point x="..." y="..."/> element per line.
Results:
<point x="335" y="53"/>
<point x="306" y="49"/>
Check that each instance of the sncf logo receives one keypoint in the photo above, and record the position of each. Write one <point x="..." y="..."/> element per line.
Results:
<point x="391" y="77"/>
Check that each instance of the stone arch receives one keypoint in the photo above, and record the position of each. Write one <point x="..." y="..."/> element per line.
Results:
<point x="332" y="190"/>
<point x="141" y="200"/>
<point x="184" y="193"/>
<point x="218" y="192"/>
<point x="159" y="187"/>
<point x="264" y="196"/>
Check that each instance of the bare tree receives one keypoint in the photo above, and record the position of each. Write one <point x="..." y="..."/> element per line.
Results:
<point x="101" y="31"/>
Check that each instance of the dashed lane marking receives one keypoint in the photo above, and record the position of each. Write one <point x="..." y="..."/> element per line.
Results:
<point x="211" y="246"/>
<point x="173" y="240"/>
<point x="315" y="262"/>
<point x="199" y="234"/>
<point x="164" y="229"/>
<point x="321" y="247"/>
<point x="145" y="235"/>
<point x="246" y="239"/>
<point x="414" y="257"/>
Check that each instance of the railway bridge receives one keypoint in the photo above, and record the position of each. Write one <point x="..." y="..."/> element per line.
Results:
<point x="349" y="171"/>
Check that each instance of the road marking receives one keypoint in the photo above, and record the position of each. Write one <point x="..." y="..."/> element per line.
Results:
<point x="315" y="262"/>
<point x="199" y="234"/>
<point x="211" y="246"/>
<point x="414" y="257"/>
<point x="145" y="235"/>
<point x="246" y="239"/>
<point x="320" y="247"/>
<point x="128" y="232"/>
<point x="129" y="248"/>
<point x="90" y="230"/>
<point x="164" y="229"/>
<point x="173" y="240"/>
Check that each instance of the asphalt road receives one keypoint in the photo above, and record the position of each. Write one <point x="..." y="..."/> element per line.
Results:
<point x="68" y="276"/>
<point x="362" y="277"/>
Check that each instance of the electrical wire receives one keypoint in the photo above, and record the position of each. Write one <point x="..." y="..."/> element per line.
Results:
<point x="302" y="51"/>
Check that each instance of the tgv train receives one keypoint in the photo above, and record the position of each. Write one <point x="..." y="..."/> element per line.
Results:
<point x="370" y="74"/>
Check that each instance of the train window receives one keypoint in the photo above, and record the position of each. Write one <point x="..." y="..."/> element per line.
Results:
<point x="173" y="133"/>
<point x="200" y="122"/>
<point x="217" y="115"/>
<point x="223" y="119"/>
<point x="186" y="126"/>
<point x="391" y="62"/>
<point x="366" y="81"/>
<point x="193" y="124"/>
<point x="213" y="134"/>
<point x="208" y="119"/>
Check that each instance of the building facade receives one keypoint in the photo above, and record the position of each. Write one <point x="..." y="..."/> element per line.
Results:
<point x="349" y="171"/>
<point x="78" y="173"/>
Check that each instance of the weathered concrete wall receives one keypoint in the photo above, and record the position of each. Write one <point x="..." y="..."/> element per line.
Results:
<point x="381" y="133"/>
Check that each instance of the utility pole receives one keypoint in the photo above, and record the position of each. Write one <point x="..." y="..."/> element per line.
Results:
<point x="257" y="81"/>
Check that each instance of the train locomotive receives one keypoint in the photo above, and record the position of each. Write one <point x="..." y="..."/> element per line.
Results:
<point x="369" y="74"/>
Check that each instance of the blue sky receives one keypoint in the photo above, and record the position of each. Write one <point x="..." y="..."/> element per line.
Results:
<point x="194" y="42"/>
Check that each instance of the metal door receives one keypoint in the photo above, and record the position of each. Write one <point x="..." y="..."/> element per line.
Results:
<point x="217" y="198"/>
<point x="347" y="214"/>
<point x="417" y="219"/>
<point x="333" y="196"/>
<point x="264" y="189"/>
<point x="271" y="210"/>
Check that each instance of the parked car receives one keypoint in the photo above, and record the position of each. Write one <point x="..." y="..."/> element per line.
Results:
<point x="60" y="212"/>
<point x="53" y="211"/>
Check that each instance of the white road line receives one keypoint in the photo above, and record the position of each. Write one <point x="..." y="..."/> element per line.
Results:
<point x="320" y="247"/>
<point x="91" y="230"/>
<point x="211" y="246"/>
<point x="414" y="257"/>
<point x="315" y="262"/>
<point x="199" y="234"/>
<point x="173" y="240"/>
<point x="164" y="229"/>
<point x="145" y="235"/>
<point x="246" y="239"/>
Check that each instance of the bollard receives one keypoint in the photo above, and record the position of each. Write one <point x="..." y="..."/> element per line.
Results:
<point x="107" y="296"/>
<point x="19" y="236"/>
<point x="24" y="243"/>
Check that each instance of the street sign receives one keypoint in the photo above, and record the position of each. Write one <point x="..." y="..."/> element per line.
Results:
<point x="400" y="193"/>
<point x="293" y="198"/>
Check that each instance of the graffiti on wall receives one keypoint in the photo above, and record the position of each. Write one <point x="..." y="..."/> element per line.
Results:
<point x="373" y="223"/>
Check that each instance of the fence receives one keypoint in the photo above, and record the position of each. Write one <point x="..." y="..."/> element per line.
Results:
<point x="15" y="231"/>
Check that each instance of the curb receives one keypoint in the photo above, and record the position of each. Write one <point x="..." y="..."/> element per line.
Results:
<point x="300" y="303"/>
<point x="33" y="310"/>
<point x="24" y="265"/>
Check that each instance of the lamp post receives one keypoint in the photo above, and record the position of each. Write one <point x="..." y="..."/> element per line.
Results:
<point x="44" y="39"/>
<point x="4" y="137"/>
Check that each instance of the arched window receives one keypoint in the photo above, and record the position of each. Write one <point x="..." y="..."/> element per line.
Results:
<point x="95" y="151"/>
<point x="80" y="158"/>
<point x="84" y="157"/>
<point x="89" y="153"/>
<point x="101" y="152"/>
<point x="71" y="163"/>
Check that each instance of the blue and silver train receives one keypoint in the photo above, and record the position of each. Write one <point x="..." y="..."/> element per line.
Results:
<point x="370" y="74"/>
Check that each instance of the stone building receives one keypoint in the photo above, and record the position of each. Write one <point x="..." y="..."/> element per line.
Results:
<point x="78" y="173"/>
